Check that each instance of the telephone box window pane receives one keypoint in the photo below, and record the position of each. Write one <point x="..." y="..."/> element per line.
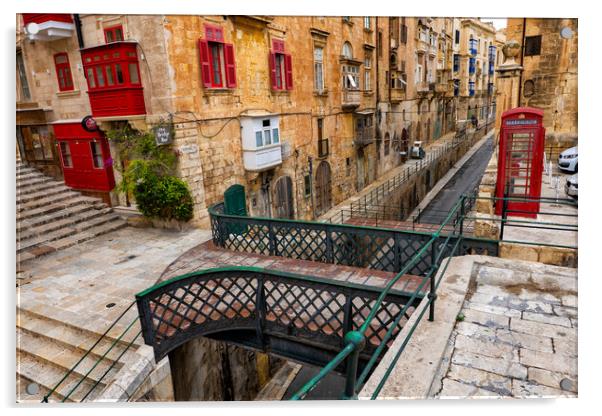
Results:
<point x="90" y="77"/>
<point x="133" y="69"/>
<point x="119" y="73"/>
<point x="66" y="155"/>
<point x="96" y="154"/>
<point x="118" y="34"/>
<point x="100" y="76"/>
<point x="110" y="80"/>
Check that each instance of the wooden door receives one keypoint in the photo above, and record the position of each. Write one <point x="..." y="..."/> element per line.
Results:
<point x="323" y="188"/>
<point x="283" y="198"/>
<point x="235" y="201"/>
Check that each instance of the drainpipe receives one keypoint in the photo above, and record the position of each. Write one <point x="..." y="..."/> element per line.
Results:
<point x="78" y="30"/>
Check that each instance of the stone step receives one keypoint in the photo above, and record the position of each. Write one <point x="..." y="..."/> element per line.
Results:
<point x="57" y="215"/>
<point x="23" y="169"/>
<point x="47" y="200"/>
<point x="76" y="228"/>
<point x="40" y="187"/>
<point x="47" y="325"/>
<point x="25" y="185"/>
<point x="23" y="396"/>
<point x="70" y="240"/>
<point x="22" y="177"/>
<point x="66" y="356"/>
<point x="24" y="198"/>
<point x="47" y="375"/>
<point x="66" y="221"/>
<point x="48" y="209"/>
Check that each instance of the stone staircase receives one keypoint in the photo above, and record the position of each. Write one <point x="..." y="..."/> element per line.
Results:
<point x="48" y="348"/>
<point x="52" y="216"/>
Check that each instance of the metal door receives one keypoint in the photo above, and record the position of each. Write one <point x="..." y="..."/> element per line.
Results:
<point x="323" y="188"/>
<point x="235" y="201"/>
<point x="283" y="198"/>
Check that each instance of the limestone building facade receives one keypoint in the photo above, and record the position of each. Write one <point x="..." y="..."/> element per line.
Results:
<point x="546" y="74"/>
<point x="301" y="111"/>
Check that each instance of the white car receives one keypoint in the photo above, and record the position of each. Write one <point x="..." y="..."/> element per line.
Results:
<point x="571" y="186"/>
<point x="417" y="152"/>
<point x="567" y="160"/>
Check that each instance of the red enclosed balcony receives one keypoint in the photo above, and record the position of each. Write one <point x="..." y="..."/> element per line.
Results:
<point x="114" y="82"/>
<point x="48" y="26"/>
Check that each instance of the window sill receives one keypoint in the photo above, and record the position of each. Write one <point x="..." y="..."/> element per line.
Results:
<point x="368" y="93"/>
<point x="72" y="93"/>
<point x="323" y="93"/>
<point x="367" y="30"/>
<point x="218" y="91"/>
<point x="281" y="92"/>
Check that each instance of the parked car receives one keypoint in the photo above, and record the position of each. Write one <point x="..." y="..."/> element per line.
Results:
<point x="570" y="188"/>
<point x="417" y="152"/>
<point x="567" y="160"/>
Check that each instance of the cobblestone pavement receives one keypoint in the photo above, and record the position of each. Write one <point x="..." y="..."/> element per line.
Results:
<point x="75" y="285"/>
<point x="516" y="335"/>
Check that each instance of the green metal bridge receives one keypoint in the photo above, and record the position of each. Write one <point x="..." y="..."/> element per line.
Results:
<point x="339" y="326"/>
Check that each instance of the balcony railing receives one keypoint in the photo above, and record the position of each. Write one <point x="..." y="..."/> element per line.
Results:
<point x="422" y="87"/>
<point x="397" y="94"/>
<point x="323" y="148"/>
<point x="364" y="136"/>
<point x="350" y="98"/>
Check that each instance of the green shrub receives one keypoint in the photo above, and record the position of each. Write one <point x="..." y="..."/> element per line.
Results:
<point x="150" y="176"/>
<point x="165" y="197"/>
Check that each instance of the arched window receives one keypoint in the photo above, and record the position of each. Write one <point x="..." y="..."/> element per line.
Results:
<point x="347" y="51"/>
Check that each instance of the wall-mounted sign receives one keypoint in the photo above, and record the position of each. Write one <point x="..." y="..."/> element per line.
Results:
<point x="190" y="148"/>
<point x="163" y="135"/>
<point x="89" y="124"/>
<point x="521" y="122"/>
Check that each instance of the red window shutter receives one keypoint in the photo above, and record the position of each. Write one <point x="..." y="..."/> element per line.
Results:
<point x="288" y="67"/>
<point x="205" y="65"/>
<point x="272" y="62"/>
<point x="218" y="32"/>
<point x="230" y="65"/>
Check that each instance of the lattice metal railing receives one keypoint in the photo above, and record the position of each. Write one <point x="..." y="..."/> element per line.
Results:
<point x="271" y="304"/>
<point x="358" y="246"/>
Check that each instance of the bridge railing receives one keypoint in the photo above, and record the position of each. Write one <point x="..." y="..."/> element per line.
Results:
<point x="436" y="250"/>
<point x="349" y="245"/>
<point x="303" y="313"/>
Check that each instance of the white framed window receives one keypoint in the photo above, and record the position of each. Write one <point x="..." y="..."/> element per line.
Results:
<point x="351" y="79"/>
<point x="267" y="134"/>
<point x="347" y="50"/>
<point x="418" y="77"/>
<point x="367" y="76"/>
<point x="367" y="22"/>
<point x="319" y="69"/>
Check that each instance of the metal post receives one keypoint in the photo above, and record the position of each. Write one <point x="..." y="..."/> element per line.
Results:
<point x="432" y="295"/>
<point x="359" y="341"/>
<point x="462" y="214"/>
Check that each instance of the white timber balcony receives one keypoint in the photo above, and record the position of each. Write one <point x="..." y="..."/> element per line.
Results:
<point x="261" y="144"/>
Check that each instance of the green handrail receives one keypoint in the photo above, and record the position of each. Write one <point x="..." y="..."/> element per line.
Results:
<point x="378" y="303"/>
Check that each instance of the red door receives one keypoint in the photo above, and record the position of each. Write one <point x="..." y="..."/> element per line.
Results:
<point x="86" y="159"/>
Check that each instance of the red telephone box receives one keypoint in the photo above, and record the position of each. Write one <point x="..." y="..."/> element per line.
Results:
<point x="520" y="162"/>
<point x="85" y="157"/>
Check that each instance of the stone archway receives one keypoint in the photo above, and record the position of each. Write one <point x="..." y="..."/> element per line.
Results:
<point x="323" y="188"/>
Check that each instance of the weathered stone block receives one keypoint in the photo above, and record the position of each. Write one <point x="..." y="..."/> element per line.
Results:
<point x="518" y="251"/>
<point x="504" y="367"/>
<point x="558" y="256"/>
<point x="549" y="361"/>
<point x="482" y="379"/>
<point x="552" y="379"/>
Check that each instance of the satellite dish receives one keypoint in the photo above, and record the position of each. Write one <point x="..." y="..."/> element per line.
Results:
<point x="32" y="28"/>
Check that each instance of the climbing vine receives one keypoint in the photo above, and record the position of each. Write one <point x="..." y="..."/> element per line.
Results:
<point x="150" y="175"/>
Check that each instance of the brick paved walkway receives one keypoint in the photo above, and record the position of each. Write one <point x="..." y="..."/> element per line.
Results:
<point x="206" y="256"/>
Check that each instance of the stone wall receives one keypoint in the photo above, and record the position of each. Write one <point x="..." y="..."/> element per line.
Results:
<point x="208" y="370"/>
